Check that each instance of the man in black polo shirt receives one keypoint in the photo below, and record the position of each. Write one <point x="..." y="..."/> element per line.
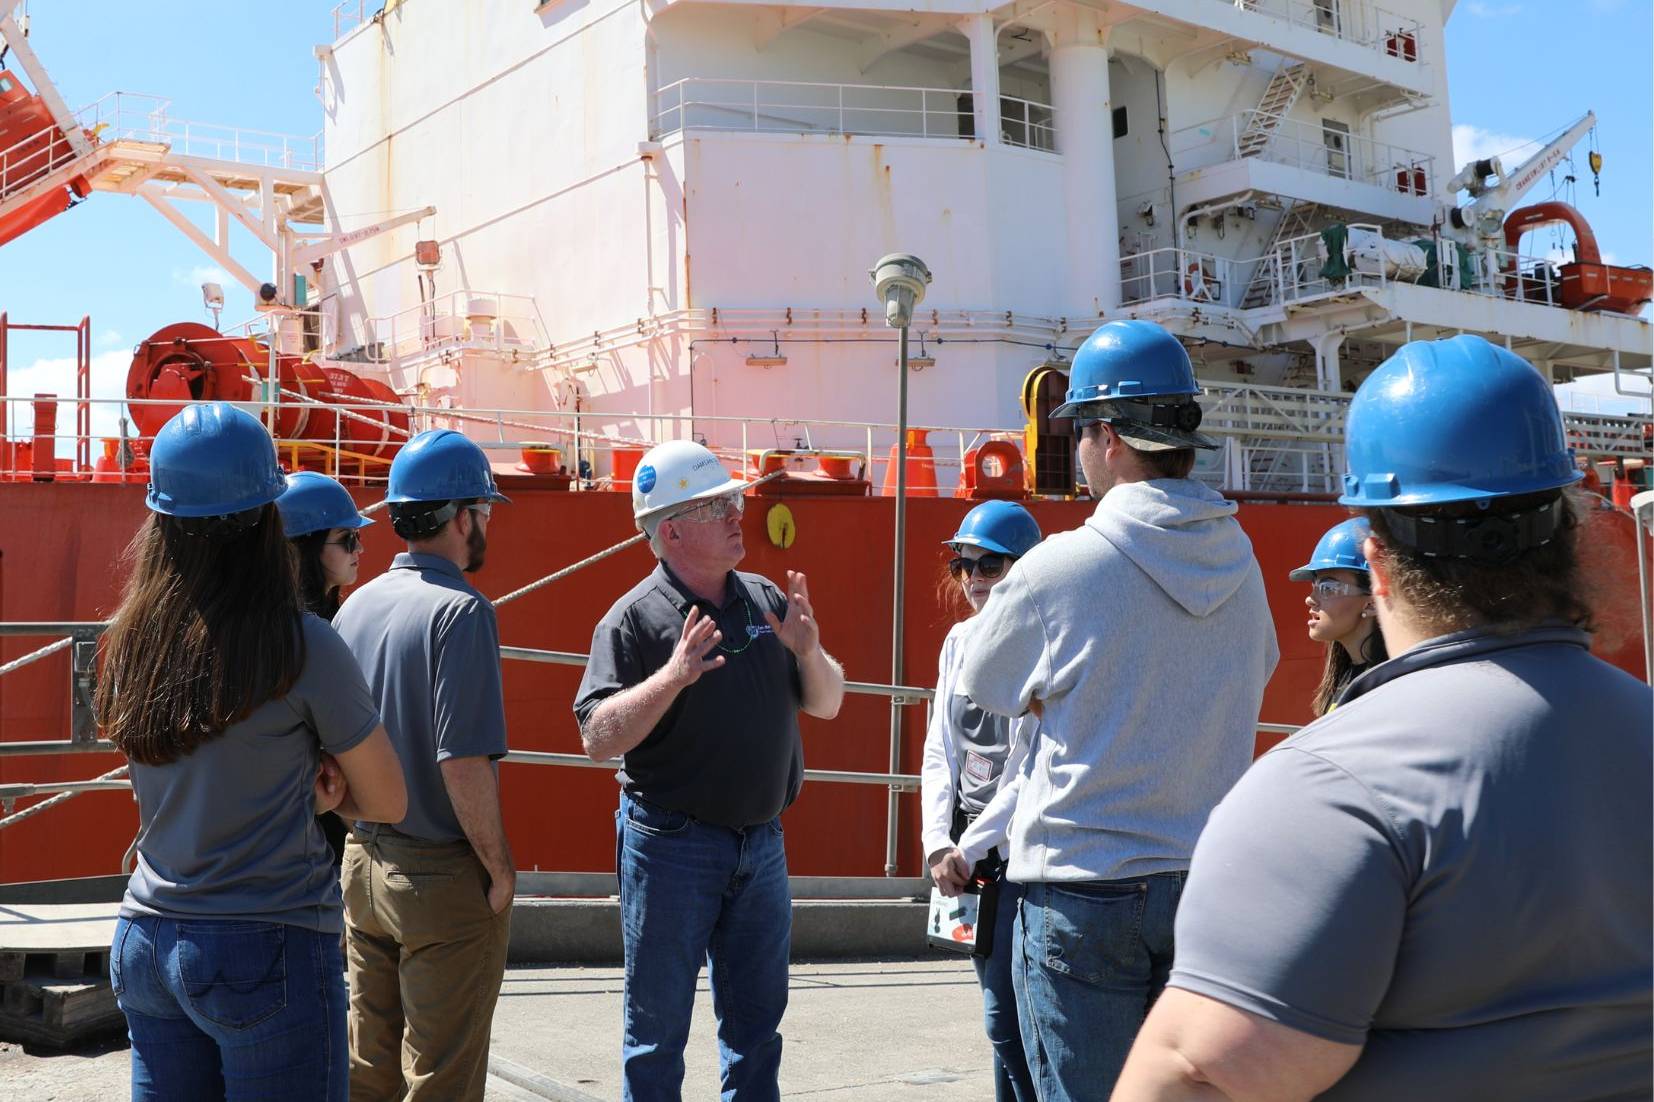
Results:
<point x="695" y="680"/>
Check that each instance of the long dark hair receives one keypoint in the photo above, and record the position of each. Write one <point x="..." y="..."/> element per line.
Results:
<point x="207" y="631"/>
<point x="1339" y="670"/>
<point x="314" y="591"/>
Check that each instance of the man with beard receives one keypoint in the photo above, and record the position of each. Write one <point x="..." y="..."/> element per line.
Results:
<point x="428" y="899"/>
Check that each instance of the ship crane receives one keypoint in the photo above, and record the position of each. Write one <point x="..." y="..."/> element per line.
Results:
<point x="1480" y="223"/>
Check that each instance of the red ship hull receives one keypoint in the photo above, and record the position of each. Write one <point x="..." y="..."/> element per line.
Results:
<point x="59" y="560"/>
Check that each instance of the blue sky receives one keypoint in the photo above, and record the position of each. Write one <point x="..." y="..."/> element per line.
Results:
<point x="1519" y="70"/>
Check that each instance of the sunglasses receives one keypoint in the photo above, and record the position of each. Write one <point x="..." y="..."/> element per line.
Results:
<point x="989" y="566"/>
<point x="1331" y="587"/>
<point x="350" y="543"/>
<point x="715" y="509"/>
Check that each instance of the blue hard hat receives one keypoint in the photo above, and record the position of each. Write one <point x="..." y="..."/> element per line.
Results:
<point x="212" y="460"/>
<point x="1338" y="549"/>
<point x="316" y="503"/>
<point x="1001" y="526"/>
<point x="442" y="465"/>
<point x="1137" y="377"/>
<point x="1453" y="420"/>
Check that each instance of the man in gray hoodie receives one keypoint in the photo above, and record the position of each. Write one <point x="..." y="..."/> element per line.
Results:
<point x="1143" y="639"/>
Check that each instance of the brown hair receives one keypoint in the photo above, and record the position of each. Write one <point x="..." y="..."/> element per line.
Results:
<point x="1339" y="669"/>
<point x="207" y="631"/>
<point x="1537" y="585"/>
<point x="950" y="595"/>
<point x="1176" y="463"/>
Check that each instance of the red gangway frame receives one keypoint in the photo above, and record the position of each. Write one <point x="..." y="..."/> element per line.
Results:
<point x="83" y="383"/>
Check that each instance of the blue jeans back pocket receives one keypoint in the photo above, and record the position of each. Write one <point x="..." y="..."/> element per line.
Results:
<point x="1093" y="932"/>
<point x="234" y="973"/>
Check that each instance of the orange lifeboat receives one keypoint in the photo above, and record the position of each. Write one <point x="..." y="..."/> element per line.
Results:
<point x="1586" y="283"/>
<point x="32" y="147"/>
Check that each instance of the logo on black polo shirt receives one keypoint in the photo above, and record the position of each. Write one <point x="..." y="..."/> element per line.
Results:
<point x="755" y="630"/>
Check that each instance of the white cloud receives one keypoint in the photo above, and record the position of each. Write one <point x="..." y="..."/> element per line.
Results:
<point x="1472" y="143"/>
<point x="110" y="338"/>
<point x="202" y="273"/>
<point x="56" y="375"/>
<point x="1493" y="11"/>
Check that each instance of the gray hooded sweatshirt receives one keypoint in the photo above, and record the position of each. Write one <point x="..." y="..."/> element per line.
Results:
<point x="1146" y="636"/>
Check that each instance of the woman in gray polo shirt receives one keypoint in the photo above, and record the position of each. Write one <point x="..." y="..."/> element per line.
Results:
<point x="965" y="789"/>
<point x="223" y="692"/>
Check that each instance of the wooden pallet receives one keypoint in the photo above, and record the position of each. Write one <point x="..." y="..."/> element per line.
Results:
<point x="54" y="974"/>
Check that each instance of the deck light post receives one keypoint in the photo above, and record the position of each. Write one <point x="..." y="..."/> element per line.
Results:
<point x="899" y="281"/>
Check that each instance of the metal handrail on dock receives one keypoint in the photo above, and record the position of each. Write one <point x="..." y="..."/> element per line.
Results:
<point x="898" y="695"/>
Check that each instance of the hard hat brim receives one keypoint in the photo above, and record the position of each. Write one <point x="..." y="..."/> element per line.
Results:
<point x="1308" y="571"/>
<point x="1449" y="493"/>
<point x="1153" y="439"/>
<point x="978" y="541"/>
<point x="158" y="502"/>
<point x="663" y="512"/>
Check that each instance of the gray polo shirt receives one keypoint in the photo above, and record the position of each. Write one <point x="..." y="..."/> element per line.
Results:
<point x="1452" y="868"/>
<point x="430" y="648"/>
<point x="728" y="750"/>
<point x="229" y="831"/>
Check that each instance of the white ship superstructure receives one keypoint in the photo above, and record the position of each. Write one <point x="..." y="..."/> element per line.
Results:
<point x="687" y="196"/>
<point x="657" y="216"/>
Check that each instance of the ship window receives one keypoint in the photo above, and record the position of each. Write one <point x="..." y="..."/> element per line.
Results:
<point x="1336" y="136"/>
<point x="1326" y="17"/>
<point x="1119" y="122"/>
<point x="5" y="84"/>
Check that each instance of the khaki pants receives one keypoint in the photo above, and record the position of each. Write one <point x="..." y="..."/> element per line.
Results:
<point x="425" y="957"/>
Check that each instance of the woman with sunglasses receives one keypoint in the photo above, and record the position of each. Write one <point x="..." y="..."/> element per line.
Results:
<point x="965" y="792"/>
<point x="321" y="522"/>
<point x="1341" y="613"/>
<point x="223" y="693"/>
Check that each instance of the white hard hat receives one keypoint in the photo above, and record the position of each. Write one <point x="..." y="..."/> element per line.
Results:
<point x="674" y="473"/>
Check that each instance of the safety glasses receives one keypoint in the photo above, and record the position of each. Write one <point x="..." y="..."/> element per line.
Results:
<point x="349" y="543"/>
<point x="989" y="566"/>
<point x="1331" y="587"/>
<point x="715" y="509"/>
<point x="484" y="509"/>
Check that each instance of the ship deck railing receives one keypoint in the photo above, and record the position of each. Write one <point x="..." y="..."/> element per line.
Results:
<point x="137" y="117"/>
<point x="1353" y="21"/>
<point x="460" y="319"/>
<point x="1293" y="272"/>
<point x="1254" y="134"/>
<point x="1274" y="439"/>
<point x="874" y="110"/>
<point x="144" y="120"/>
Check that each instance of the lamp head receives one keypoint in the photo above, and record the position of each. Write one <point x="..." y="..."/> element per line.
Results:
<point x="899" y="280"/>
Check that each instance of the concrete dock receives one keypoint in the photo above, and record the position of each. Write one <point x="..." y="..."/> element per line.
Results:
<point x="888" y="1029"/>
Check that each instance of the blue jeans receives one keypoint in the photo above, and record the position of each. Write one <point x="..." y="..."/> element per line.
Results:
<point x="1012" y="1082"/>
<point x="691" y="891"/>
<point x="1091" y="958"/>
<point x="221" y="1009"/>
